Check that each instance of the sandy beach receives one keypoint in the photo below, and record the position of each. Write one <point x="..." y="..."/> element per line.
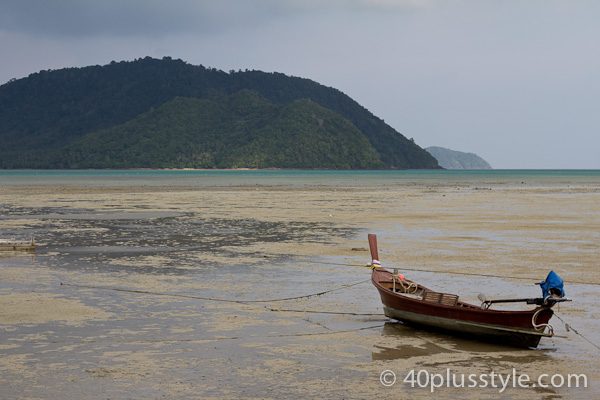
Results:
<point x="147" y="291"/>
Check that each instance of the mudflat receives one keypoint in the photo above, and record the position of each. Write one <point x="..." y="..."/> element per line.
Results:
<point x="261" y="290"/>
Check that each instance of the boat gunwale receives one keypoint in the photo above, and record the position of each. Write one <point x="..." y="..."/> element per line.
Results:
<point x="463" y="306"/>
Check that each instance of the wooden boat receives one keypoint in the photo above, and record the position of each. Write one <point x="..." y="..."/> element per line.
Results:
<point x="414" y="304"/>
<point x="13" y="244"/>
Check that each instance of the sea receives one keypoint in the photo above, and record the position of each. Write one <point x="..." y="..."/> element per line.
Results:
<point x="296" y="178"/>
<point x="161" y="283"/>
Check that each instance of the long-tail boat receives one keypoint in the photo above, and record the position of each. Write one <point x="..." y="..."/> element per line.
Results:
<point x="414" y="304"/>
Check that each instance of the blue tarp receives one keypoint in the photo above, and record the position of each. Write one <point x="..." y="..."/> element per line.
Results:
<point x="552" y="281"/>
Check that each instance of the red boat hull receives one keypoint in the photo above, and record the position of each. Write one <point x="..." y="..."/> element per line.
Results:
<point x="515" y="328"/>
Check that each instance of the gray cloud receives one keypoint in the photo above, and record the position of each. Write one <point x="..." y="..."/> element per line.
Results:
<point x="121" y="17"/>
<point x="160" y="17"/>
<point x="509" y="80"/>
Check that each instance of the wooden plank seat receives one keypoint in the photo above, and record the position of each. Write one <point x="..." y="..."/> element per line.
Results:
<point x="441" y="298"/>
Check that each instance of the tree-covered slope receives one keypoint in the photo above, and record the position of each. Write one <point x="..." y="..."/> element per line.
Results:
<point x="240" y="131"/>
<point x="45" y="119"/>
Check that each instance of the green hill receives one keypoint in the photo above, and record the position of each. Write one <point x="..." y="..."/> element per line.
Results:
<point x="242" y="130"/>
<point x="166" y="113"/>
<point x="452" y="159"/>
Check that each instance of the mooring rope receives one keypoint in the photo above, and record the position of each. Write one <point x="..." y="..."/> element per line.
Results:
<point x="534" y="279"/>
<point x="493" y="276"/>
<point x="568" y="327"/>
<point x="189" y="296"/>
<point x="323" y="312"/>
<point x="282" y="335"/>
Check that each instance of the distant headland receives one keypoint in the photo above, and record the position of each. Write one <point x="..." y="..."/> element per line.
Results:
<point x="452" y="159"/>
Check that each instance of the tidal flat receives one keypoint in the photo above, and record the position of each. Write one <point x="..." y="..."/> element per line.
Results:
<point x="256" y="287"/>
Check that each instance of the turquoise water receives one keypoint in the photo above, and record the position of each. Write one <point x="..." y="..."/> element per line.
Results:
<point x="296" y="178"/>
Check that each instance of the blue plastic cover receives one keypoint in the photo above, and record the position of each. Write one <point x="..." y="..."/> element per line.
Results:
<point x="552" y="281"/>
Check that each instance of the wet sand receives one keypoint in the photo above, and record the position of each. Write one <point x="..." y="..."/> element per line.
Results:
<point x="178" y="291"/>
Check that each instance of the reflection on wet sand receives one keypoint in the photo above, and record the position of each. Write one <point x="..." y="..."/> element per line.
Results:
<point x="417" y="342"/>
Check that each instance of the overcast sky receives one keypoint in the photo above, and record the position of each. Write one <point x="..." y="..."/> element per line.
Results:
<point x="515" y="81"/>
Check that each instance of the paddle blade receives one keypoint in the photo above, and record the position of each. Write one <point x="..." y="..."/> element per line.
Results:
<point x="373" y="247"/>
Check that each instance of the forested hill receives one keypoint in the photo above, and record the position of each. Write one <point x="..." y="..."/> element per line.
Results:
<point x="166" y="113"/>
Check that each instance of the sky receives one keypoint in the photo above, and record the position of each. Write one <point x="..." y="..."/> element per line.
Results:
<point x="515" y="81"/>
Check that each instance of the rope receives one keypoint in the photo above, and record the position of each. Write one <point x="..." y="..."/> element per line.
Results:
<point x="570" y="328"/>
<point x="408" y="287"/>
<point x="541" y="327"/>
<point x="492" y="276"/>
<point x="213" y="298"/>
<point x="196" y="340"/>
<point x="453" y="273"/>
<point x="322" y="312"/>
